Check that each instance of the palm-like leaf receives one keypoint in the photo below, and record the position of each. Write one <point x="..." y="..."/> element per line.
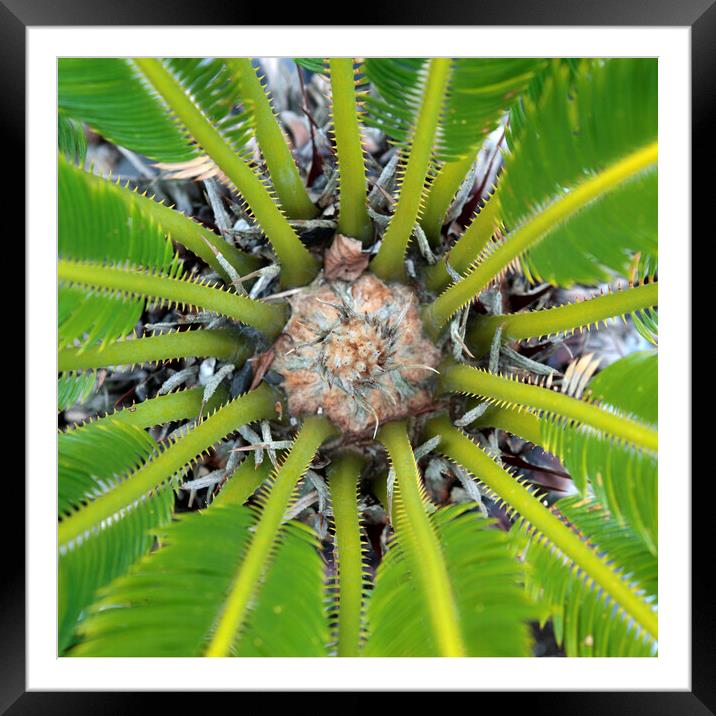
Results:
<point x="485" y="580"/>
<point x="113" y="98"/>
<point x="94" y="224"/>
<point x="575" y="131"/>
<point x="586" y="621"/>
<point x="623" y="477"/>
<point x="170" y="602"/>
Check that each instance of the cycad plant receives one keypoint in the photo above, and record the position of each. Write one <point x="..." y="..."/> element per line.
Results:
<point x="382" y="360"/>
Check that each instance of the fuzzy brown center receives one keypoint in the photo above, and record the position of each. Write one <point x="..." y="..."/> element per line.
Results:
<point x="356" y="352"/>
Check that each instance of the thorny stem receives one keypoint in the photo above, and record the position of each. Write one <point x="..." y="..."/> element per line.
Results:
<point x="272" y="141"/>
<point x="438" y="313"/>
<point x="467" y="248"/>
<point x="388" y="263"/>
<point x="353" y="219"/>
<point x="268" y="318"/>
<point x="315" y="430"/>
<point x="344" y="477"/>
<point x="458" y="447"/>
<point x="258" y="404"/>
<point x="561" y="319"/>
<point x="441" y="194"/>
<point x="298" y="265"/>
<point x="459" y="378"/>
<point x="225" y="344"/>
<point x="421" y="542"/>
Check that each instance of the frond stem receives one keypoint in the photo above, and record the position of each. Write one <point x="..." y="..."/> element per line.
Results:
<point x="344" y="476"/>
<point x="388" y="263"/>
<point x="460" y="378"/>
<point x="455" y="445"/>
<point x="268" y="318"/>
<point x="258" y="404"/>
<point x="272" y="142"/>
<point x="223" y="343"/>
<point x="353" y="219"/>
<point x="562" y="319"/>
<point x="427" y="559"/>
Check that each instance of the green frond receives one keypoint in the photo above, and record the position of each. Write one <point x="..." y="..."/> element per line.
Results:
<point x="113" y="98"/>
<point x="272" y="141"/>
<point x="393" y="103"/>
<point x="244" y="482"/>
<point x="610" y="112"/>
<point x="449" y="586"/>
<point x="71" y="139"/>
<point x="487" y="582"/>
<point x="92" y="461"/>
<point x="585" y="622"/>
<point x="222" y="343"/>
<point x="127" y="284"/>
<point x="74" y="389"/>
<point x="637" y="302"/>
<point x="347" y="600"/>
<point x="80" y="525"/>
<point x="95" y="225"/>
<point x="274" y="503"/>
<point x="312" y="64"/>
<point x="480" y="91"/>
<point x="180" y="228"/>
<point x="171" y="602"/>
<point x="568" y="547"/>
<point x="567" y="207"/>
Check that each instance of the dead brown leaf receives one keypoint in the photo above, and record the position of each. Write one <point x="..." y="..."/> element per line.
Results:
<point x="345" y="259"/>
<point x="261" y="364"/>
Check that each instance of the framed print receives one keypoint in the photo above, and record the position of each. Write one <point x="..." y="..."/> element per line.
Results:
<point x="358" y="374"/>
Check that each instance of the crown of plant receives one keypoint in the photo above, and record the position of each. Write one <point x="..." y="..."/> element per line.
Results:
<point x="381" y="359"/>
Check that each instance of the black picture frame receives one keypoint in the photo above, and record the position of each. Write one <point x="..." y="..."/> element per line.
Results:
<point x="699" y="15"/>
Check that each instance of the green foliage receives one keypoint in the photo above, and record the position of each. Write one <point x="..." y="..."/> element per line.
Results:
<point x="622" y="476"/>
<point x="486" y="582"/>
<point x="94" y="224"/>
<point x="608" y="113"/>
<point x="575" y="204"/>
<point x="169" y="602"/>
<point x="113" y="98"/>
<point x="586" y="621"/>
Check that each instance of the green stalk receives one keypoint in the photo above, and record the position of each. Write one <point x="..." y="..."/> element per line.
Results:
<point x="441" y="194"/>
<point x="259" y="404"/>
<point x="268" y="318"/>
<point x="448" y="303"/>
<point x="353" y="219"/>
<point x="315" y="430"/>
<point x="467" y="248"/>
<point x="516" y="422"/>
<point x="298" y="265"/>
<point x="460" y="378"/>
<point x="182" y="229"/>
<point x="272" y="141"/>
<point x="225" y="344"/>
<point x="421" y="542"/>
<point x="244" y="481"/>
<point x="344" y="476"/>
<point x="562" y="319"/>
<point x="458" y="447"/>
<point x="388" y="263"/>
